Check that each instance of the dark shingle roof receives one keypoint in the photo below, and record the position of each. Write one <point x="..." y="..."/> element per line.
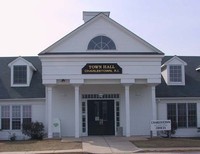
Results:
<point x="36" y="89"/>
<point x="192" y="80"/>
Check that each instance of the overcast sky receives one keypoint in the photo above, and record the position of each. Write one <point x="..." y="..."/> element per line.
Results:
<point x="29" y="26"/>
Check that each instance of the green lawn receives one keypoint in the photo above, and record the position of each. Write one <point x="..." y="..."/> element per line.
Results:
<point x="168" y="142"/>
<point x="34" y="145"/>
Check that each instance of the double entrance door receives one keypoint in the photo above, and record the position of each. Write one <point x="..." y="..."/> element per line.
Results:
<point x="101" y="117"/>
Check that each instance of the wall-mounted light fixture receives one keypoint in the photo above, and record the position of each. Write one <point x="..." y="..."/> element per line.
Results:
<point x="100" y="95"/>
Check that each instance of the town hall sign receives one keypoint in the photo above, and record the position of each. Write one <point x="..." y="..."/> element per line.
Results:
<point x="102" y="68"/>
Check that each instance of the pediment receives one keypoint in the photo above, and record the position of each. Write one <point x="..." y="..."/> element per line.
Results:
<point x="175" y="61"/>
<point x="21" y="61"/>
<point x="101" y="25"/>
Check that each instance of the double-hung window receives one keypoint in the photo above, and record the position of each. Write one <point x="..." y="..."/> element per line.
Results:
<point x="13" y="116"/>
<point x="192" y="115"/>
<point x="19" y="74"/>
<point x="171" y="112"/>
<point x="5" y="117"/>
<point x="183" y="114"/>
<point x="175" y="73"/>
<point x="16" y="117"/>
<point x="26" y="114"/>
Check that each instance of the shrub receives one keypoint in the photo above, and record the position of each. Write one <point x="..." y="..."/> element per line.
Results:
<point x="173" y="130"/>
<point x="168" y="133"/>
<point x="35" y="130"/>
<point x="174" y="127"/>
<point x="13" y="137"/>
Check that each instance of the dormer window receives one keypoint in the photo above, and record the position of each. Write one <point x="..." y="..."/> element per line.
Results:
<point x="175" y="73"/>
<point x="20" y="74"/>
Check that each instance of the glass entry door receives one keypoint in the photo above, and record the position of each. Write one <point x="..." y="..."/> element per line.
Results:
<point x="101" y="117"/>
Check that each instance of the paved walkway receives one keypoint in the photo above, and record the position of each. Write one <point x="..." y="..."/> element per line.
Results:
<point x="108" y="144"/>
<point x="94" y="144"/>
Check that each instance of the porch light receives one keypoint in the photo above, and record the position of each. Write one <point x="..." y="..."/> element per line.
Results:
<point x="100" y="95"/>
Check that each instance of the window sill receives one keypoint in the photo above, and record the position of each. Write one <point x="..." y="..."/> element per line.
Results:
<point x="20" y="85"/>
<point x="10" y="131"/>
<point x="176" y="84"/>
<point x="187" y="128"/>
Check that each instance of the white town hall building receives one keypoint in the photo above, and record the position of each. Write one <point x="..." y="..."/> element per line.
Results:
<point x="99" y="79"/>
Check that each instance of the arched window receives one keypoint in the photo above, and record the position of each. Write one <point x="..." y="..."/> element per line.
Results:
<point x="101" y="43"/>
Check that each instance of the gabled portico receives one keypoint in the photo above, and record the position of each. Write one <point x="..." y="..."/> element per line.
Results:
<point x="103" y="84"/>
<point x="82" y="95"/>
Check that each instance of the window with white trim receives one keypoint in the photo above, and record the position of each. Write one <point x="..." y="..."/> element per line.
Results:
<point x="175" y="73"/>
<point x="117" y="114"/>
<point x="5" y="117"/>
<point x="19" y="74"/>
<point x="16" y="117"/>
<point x="183" y="114"/>
<point x="101" y="43"/>
<point x="84" y="117"/>
<point x="12" y="116"/>
<point x="26" y="114"/>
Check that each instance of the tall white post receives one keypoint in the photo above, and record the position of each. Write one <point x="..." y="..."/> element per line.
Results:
<point x="49" y="110"/>
<point x="127" y="109"/>
<point x="77" y="135"/>
<point x="154" y="107"/>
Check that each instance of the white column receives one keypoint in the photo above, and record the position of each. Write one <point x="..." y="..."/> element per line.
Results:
<point x="127" y="109"/>
<point x="49" y="110"/>
<point x="77" y="135"/>
<point x="154" y="107"/>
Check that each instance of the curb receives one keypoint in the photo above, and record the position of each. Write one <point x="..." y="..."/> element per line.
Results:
<point x="45" y="152"/>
